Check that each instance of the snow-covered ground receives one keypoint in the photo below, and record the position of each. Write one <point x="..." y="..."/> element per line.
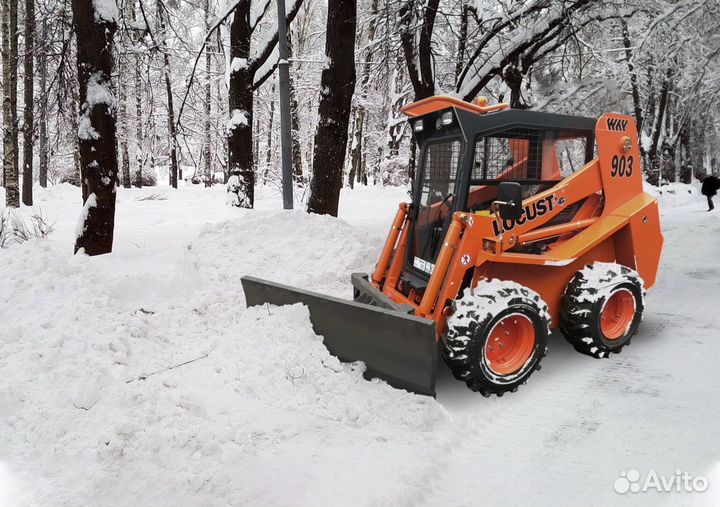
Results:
<point x="139" y="378"/>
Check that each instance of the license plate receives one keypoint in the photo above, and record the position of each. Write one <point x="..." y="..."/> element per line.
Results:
<point x="423" y="265"/>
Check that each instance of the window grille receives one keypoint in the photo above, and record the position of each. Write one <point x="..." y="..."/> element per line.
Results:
<point x="514" y="154"/>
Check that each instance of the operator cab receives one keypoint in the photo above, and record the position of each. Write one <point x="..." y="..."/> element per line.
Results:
<point x="466" y="151"/>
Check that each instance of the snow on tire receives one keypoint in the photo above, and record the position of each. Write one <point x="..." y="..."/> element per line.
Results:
<point x="496" y="337"/>
<point x="601" y="308"/>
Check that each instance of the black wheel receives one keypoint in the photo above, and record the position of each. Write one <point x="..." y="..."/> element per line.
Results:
<point x="496" y="337"/>
<point x="602" y="308"/>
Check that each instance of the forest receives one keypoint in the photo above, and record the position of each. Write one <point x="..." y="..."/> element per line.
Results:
<point x="103" y="94"/>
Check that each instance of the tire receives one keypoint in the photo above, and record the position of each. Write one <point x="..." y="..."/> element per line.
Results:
<point x="602" y="308"/>
<point x="491" y="363"/>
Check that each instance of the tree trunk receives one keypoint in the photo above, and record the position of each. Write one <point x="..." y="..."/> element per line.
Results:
<point x="513" y="78"/>
<point x="207" y="151"/>
<point x="6" y="103"/>
<point x="77" y="178"/>
<point x="668" y="146"/>
<point x="29" y="91"/>
<point x="358" y="170"/>
<point x="123" y="116"/>
<point x="295" y="127"/>
<point x="418" y="50"/>
<point x="462" y="40"/>
<point x="269" y="147"/>
<point x="337" y="85"/>
<point x="356" y="152"/>
<point x="698" y="147"/>
<point x="654" y="156"/>
<point x="124" y="121"/>
<point x="295" y="130"/>
<point x="256" y="149"/>
<point x="94" y="30"/>
<point x="686" y="168"/>
<point x="10" y="167"/>
<point x="42" y="134"/>
<point x="633" y="77"/>
<point x="139" y="155"/>
<point x="172" y="132"/>
<point x="139" y="151"/>
<point x="14" y="37"/>
<point x="241" y="184"/>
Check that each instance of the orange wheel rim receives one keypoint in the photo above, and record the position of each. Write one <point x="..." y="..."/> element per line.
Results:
<point x="617" y="314"/>
<point x="510" y="344"/>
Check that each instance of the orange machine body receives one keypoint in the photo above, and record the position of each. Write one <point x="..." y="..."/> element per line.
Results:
<point x="613" y="220"/>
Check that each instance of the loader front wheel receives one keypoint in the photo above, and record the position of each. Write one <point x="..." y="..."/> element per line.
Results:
<point x="496" y="337"/>
<point x="601" y="308"/>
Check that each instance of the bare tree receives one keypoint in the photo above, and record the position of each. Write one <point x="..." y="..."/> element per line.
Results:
<point x="418" y="50"/>
<point x="337" y="87"/>
<point x="357" y="160"/>
<point x="29" y="98"/>
<point x="10" y="144"/>
<point x="138" y="119"/>
<point x="42" y="128"/>
<point x="14" y="37"/>
<point x="172" y="131"/>
<point x="95" y="24"/>
<point x="248" y="71"/>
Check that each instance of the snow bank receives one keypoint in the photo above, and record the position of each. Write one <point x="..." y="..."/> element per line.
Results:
<point x="141" y="380"/>
<point x="289" y="247"/>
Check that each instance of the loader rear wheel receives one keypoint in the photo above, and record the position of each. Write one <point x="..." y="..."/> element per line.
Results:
<point x="601" y="308"/>
<point x="496" y="337"/>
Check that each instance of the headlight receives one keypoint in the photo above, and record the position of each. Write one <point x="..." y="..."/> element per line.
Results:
<point x="447" y="118"/>
<point x="418" y="126"/>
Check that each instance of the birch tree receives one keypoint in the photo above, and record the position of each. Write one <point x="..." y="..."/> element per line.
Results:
<point x="10" y="141"/>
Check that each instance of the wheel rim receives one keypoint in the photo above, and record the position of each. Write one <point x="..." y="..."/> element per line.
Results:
<point x="510" y="344"/>
<point x="617" y="314"/>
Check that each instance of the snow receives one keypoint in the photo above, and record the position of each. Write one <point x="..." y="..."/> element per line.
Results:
<point x="90" y="202"/>
<point x="98" y="93"/>
<point x="238" y="64"/>
<point x="106" y="10"/>
<point x="140" y="378"/>
<point x="237" y="118"/>
<point x="679" y="194"/>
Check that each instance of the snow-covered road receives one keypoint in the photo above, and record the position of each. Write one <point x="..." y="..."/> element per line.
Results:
<point x="564" y="438"/>
<point x="262" y="415"/>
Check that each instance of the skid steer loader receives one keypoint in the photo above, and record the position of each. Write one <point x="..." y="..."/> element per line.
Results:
<point x="520" y="222"/>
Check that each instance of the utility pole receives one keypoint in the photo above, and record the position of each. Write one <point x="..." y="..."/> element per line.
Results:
<point x="284" y="70"/>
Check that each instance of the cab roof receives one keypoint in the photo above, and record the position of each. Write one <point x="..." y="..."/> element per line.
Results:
<point x="479" y="118"/>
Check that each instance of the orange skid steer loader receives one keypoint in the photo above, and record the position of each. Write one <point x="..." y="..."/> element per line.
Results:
<point x="520" y="222"/>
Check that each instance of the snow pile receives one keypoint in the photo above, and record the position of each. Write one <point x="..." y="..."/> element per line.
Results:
<point x="290" y="247"/>
<point x="140" y="379"/>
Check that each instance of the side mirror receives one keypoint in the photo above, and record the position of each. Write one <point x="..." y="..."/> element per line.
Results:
<point x="509" y="201"/>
